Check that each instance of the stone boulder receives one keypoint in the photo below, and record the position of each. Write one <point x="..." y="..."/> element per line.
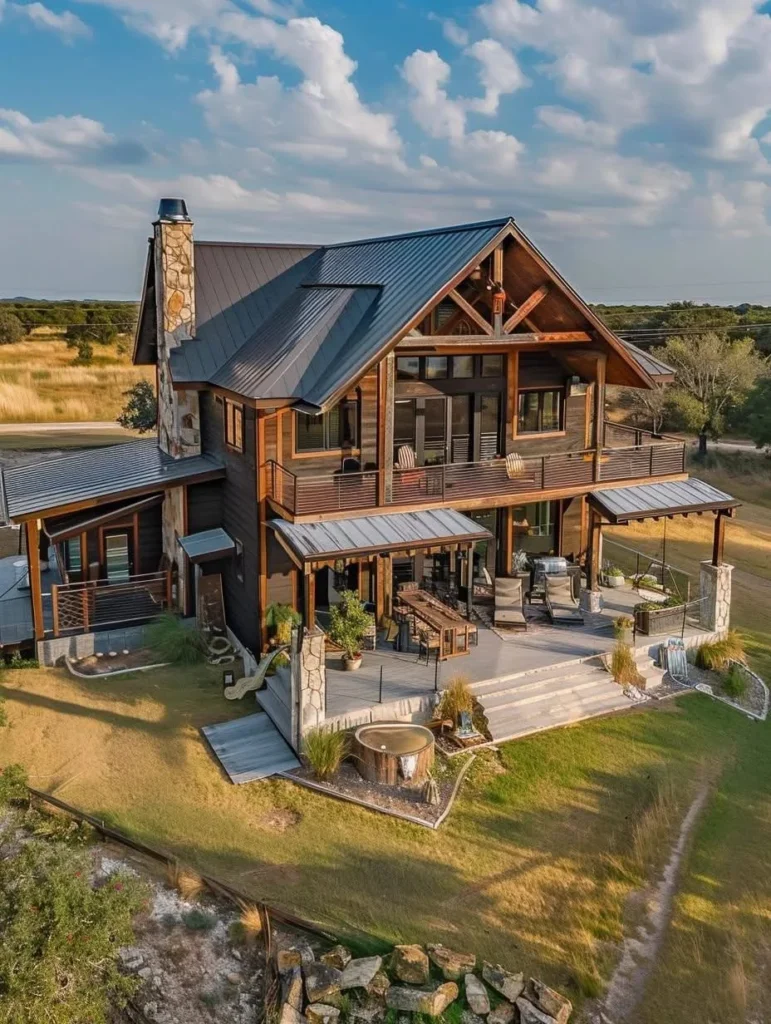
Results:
<point x="529" y="1014"/>
<point x="289" y="1015"/>
<point x="379" y="985"/>
<point x="367" y="1013"/>
<point x="510" y="986"/>
<point x="476" y="996"/>
<point x="361" y="973"/>
<point x="549" y="1001"/>
<point x="452" y="965"/>
<point x="320" y="1013"/>
<point x="338" y="956"/>
<point x="298" y="955"/>
<point x="322" y="983"/>
<point x="410" y="964"/>
<point x="292" y="988"/>
<point x="502" y="1014"/>
<point x="433" y="1003"/>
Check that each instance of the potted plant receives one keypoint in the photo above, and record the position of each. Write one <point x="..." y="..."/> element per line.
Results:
<point x="623" y="629"/>
<point x="281" y="619"/>
<point x="614" y="577"/>
<point x="349" y="623"/>
<point x="658" y="617"/>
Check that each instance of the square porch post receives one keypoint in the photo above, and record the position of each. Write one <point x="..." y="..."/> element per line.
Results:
<point x="591" y="598"/>
<point x="35" y="582"/>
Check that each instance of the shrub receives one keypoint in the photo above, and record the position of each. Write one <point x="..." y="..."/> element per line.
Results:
<point x="623" y="667"/>
<point x="250" y="922"/>
<point x="349" y="623"/>
<point x="325" y="751"/>
<point x="621" y="624"/>
<point x="61" y="937"/>
<point x="11" y="328"/>
<point x="456" y="698"/>
<point x="187" y="882"/>
<point x="735" y="683"/>
<point x="672" y="601"/>
<point x="175" y="642"/>
<point x="716" y="654"/>
<point x="199" y="920"/>
<point x="614" y="571"/>
<point x="281" y="618"/>
<point x="59" y="828"/>
<point x="13" y="784"/>
<point x="141" y="409"/>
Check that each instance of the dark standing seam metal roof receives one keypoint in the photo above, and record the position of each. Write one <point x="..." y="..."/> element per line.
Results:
<point x="393" y="531"/>
<point x="285" y="357"/>
<point x="136" y="466"/>
<point x="232" y="321"/>
<point x="652" y="366"/>
<point x="237" y="289"/>
<point x="207" y="544"/>
<point x="627" y="504"/>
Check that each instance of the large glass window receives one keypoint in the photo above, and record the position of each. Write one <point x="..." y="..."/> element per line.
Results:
<point x="462" y="367"/>
<point x="328" y="431"/>
<point x="539" y="411"/>
<point x="408" y="368"/>
<point x="117" y="556"/>
<point x="535" y="528"/>
<point x="234" y="425"/>
<point x="73" y="557"/>
<point x="436" y="367"/>
<point x="492" y="366"/>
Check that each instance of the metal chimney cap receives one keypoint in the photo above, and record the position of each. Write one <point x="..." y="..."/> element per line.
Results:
<point x="173" y="210"/>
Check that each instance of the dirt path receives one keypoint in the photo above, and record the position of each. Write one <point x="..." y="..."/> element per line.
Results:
<point x="628" y="984"/>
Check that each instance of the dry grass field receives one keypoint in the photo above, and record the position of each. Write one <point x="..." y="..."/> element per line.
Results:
<point x="40" y="384"/>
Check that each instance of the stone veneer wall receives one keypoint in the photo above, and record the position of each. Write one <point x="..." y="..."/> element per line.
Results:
<point x="173" y="526"/>
<point x="313" y="681"/>
<point x="179" y="420"/>
<point x="715" y="593"/>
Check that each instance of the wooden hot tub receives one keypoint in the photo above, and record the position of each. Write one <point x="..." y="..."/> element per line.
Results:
<point x="393" y="753"/>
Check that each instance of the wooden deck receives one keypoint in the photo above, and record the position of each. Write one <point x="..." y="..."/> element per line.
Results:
<point x="250" y="748"/>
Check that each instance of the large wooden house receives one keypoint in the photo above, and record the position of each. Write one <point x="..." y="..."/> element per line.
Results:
<point x="353" y="415"/>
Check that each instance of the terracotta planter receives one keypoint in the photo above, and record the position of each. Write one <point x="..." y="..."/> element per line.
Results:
<point x="352" y="664"/>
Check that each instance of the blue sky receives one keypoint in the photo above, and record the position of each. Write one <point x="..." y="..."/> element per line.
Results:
<point x="630" y="139"/>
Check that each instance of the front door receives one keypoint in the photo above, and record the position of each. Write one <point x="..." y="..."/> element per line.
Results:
<point x="118" y="554"/>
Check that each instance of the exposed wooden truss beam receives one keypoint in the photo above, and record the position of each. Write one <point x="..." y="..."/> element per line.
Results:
<point x="526" y="308"/>
<point x="469" y="310"/>
<point x="506" y="341"/>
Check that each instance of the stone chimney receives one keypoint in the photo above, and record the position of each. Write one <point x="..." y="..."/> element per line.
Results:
<point x="179" y="424"/>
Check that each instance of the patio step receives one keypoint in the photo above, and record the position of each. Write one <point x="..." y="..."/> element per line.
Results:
<point x="277" y="711"/>
<point x="551" y="698"/>
<point x="648" y="669"/>
<point x="488" y="687"/>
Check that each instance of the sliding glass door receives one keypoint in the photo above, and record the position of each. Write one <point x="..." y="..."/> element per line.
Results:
<point x="452" y="428"/>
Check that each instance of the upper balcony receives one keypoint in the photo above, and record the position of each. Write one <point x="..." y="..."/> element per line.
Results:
<point x="455" y="483"/>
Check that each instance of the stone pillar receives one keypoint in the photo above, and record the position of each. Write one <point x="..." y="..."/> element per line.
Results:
<point x="313" y="680"/>
<point x="179" y="425"/>
<point x="715" y="593"/>
<point x="172" y="527"/>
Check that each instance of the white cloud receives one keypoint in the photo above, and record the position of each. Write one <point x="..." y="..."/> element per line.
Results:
<point x="58" y="139"/>
<point x="572" y="125"/>
<point x="68" y="25"/>
<point x="323" y="117"/>
<point x="499" y="74"/>
<point x="427" y="75"/>
<point x="170" y="22"/>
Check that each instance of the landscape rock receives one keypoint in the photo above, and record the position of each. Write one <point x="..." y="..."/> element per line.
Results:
<point x="379" y="985"/>
<point x="467" y="1017"/>
<point x="338" y="957"/>
<point x="529" y="1014"/>
<point x="368" y="1013"/>
<point x="476" y="996"/>
<point x="298" y="955"/>
<point x="320" y="1013"/>
<point x="549" y="1001"/>
<point x="322" y="983"/>
<point x="502" y="1014"/>
<point x="292" y="988"/>
<point x="361" y="973"/>
<point x="452" y="965"/>
<point x="511" y="986"/>
<point x="414" y="1000"/>
<point x="289" y="1015"/>
<point x="410" y="964"/>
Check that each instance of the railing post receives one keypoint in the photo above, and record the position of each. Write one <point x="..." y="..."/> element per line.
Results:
<point x="168" y="588"/>
<point x="55" y="607"/>
<point x="84" y="605"/>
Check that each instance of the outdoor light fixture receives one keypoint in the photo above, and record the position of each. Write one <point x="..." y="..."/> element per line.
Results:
<point x="228" y="678"/>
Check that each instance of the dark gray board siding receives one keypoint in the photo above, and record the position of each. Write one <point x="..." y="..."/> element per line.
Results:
<point x="239" y="518"/>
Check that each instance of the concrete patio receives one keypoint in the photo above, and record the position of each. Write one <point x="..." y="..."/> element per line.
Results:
<point x="387" y="676"/>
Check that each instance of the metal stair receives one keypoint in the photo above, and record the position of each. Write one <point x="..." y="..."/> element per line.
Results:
<point x="274" y="701"/>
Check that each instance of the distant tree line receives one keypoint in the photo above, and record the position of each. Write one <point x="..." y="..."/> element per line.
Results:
<point x="82" y="323"/>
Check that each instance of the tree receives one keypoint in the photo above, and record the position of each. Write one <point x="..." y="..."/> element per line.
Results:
<point x="11" y="328"/>
<point x="712" y="374"/>
<point x="649" y="407"/>
<point x="141" y="410"/>
<point x="756" y="416"/>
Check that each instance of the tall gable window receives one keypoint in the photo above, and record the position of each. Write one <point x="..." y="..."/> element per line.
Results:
<point x="540" y="412"/>
<point x="234" y="425"/>
<point x="331" y="431"/>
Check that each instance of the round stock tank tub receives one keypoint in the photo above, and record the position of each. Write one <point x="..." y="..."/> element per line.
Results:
<point x="393" y="753"/>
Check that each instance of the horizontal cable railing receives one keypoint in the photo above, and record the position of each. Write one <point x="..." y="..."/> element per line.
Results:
<point x="464" y="481"/>
<point x="626" y="435"/>
<point x="80" y="607"/>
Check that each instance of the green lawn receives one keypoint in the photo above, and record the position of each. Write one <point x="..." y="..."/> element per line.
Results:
<point x="533" y="867"/>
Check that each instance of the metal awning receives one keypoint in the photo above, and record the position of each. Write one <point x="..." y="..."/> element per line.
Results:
<point x="397" y="531"/>
<point x="207" y="545"/>
<point x="73" y="526"/>
<point x="647" y="501"/>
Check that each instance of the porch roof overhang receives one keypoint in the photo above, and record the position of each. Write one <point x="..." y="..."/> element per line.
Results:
<point x="87" y="478"/>
<point x="74" y="526"/>
<point x="367" y="535"/>
<point x="207" y="545"/>
<point x="651" y="501"/>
